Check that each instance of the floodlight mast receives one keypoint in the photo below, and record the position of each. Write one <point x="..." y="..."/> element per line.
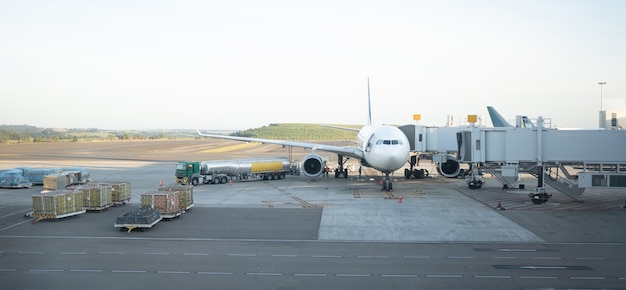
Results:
<point x="602" y="113"/>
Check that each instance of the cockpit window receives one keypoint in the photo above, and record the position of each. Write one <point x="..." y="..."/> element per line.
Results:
<point x="389" y="142"/>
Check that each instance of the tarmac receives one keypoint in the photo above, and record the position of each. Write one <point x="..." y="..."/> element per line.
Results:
<point x="306" y="233"/>
<point x="433" y="209"/>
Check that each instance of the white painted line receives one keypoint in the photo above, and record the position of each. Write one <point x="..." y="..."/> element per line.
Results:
<point x="544" y="267"/>
<point x="587" y="278"/>
<point x="87" y="271"/>
<point x="444" y="276"/>
<point x="241" y="255"/>
<point x="516" y="250"/>
<point x="353" y="275"/>
<point x="493" y="276"/>
<point x="128" y="271"/>
<point x="17" y="212"/>
<point x="17" y="224"/>
<point x="284" y="255"/>
<point x="172" y="272"/>
<point x="416" y="257"/>
<point x="112" y="253"/>
<point x="538" y="277"/>
<point x="196" y="254"/>
<point x="398" y="276"/>
<point x="216" y="273"/>
<point x="310" y="275"/>
<point x="264" y="274"/>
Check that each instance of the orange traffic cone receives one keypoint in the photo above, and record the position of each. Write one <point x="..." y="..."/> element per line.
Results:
<point x="160" y="183"/>
<point x="400" y="199"/>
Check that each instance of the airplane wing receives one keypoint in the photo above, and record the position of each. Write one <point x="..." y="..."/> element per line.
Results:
<point x="346" y="151"/>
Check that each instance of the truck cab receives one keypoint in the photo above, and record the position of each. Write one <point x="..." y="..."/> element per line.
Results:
<point x="187" y="172"/>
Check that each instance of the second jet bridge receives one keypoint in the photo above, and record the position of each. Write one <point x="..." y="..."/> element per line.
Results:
<point x="599" y="156"/>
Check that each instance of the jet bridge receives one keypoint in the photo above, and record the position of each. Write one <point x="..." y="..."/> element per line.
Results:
<point x="567" y="160"/>
<point x="436" y="143"/>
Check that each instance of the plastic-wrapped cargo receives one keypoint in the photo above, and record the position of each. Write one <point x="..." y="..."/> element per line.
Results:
<point x="185" y="194"/>
<point x="14" y="179"/>
<point x="140" y="216"/>
<point x="57" y="204"/>
<point x="55" y="181"/>
<point x="61" y="180"/>
<point x="81" y="174"/>
<point x="36" y="175"/>
<point x="121" y="191"/>
<point x="166" y="202"/>
<point x="95" y="197"/>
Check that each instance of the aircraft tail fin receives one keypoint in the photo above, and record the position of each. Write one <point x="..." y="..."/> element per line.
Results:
<point x="496" y="119"/>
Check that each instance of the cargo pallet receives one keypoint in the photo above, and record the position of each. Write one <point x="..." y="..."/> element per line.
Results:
<point x="98" y="208"/>
<point x="170" y="216"/>
<point x="131" y="227"/>
<point x="41" y="217"/>
<point x="121" y="202"/>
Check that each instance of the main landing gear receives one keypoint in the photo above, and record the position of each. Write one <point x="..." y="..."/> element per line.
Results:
<point x="340" y="171"/>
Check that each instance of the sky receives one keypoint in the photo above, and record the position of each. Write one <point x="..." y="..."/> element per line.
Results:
<point x="245" y="64"/>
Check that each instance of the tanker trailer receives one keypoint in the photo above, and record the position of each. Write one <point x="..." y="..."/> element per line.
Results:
<point x="222" y="171"/>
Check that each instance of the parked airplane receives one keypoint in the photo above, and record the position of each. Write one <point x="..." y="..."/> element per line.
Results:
<point x="382" y="147"/>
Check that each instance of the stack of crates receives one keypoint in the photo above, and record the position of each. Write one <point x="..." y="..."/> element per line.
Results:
<point x="57" y="204"/>
<point x="120" y="191"/>
<point x="185" y="194"/>
<point x="55" y="181"/>
<point x="95" y="197"/>
<point x="166" y="202"/>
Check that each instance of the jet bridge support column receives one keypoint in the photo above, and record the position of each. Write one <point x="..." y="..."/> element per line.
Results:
<point x="539" y="195"/>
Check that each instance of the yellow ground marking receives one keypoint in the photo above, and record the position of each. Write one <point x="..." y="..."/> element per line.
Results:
<point x="230" y="148"/>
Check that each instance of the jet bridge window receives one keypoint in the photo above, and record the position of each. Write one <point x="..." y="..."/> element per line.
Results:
<point x="389" y="142"/>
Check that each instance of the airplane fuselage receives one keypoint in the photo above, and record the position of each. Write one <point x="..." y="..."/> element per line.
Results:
<point x="385" y="148"/>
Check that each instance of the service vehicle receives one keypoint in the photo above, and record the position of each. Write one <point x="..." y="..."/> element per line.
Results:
<point x="223" y="171"/>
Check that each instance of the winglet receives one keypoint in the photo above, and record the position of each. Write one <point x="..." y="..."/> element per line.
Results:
<point x="496" y="119"/>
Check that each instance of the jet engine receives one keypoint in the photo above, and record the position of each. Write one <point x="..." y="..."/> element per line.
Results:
<point x="312" y="165"/>
<point x="449" y="168"/>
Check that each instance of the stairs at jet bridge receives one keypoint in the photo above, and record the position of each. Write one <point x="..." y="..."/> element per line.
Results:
<point x="561" y="184"/>
<point x="510" y="183"/>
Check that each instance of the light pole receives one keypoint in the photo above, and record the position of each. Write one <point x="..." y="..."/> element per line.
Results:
<point x="602" y="115"/>
<point x="601" y="85"/>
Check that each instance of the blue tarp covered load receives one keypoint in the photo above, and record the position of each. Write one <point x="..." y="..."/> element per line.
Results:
<point x="36" y="174"/>
<point x="14" y="179"/>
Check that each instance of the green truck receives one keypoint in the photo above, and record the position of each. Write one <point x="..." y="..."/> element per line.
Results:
<point x="223" y="171"/>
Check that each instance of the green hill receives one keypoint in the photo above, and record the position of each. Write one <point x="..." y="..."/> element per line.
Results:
<point x="297" y="131"/>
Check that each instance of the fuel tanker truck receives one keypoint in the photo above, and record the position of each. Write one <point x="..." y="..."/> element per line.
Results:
<point x="223" y="171"/>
